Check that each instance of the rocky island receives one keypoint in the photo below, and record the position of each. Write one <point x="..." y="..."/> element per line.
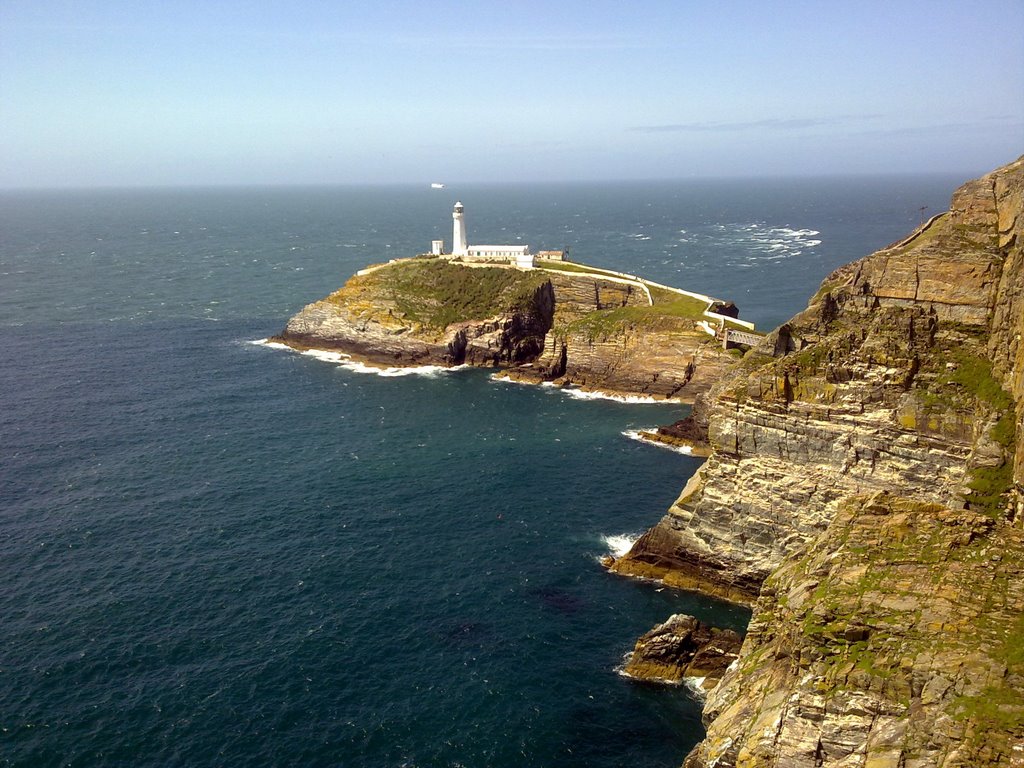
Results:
<point x="554" y="321"/>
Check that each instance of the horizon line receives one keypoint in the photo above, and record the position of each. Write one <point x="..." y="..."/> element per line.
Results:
<point x="967" y="175"/>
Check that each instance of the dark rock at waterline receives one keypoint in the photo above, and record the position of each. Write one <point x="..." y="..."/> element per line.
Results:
<point x="684" y="647"/>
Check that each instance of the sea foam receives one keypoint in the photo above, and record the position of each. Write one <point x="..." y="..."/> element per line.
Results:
<point x="346" y="362"/>
<point x="324" y="355"/>
<point x="695" y="686"/>
<point x="619" y="544"/>
<point x="269" y="343"/>
<point x="420" y="370"/>
<point x="500" y="378"/>
<point x="637" y="434"/>
<point x="581" y="394"/>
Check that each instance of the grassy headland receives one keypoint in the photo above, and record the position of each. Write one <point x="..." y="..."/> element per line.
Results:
<point x="435" y="293"/>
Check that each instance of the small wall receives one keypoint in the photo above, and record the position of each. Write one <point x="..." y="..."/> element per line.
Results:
<point x="727" y="320"/>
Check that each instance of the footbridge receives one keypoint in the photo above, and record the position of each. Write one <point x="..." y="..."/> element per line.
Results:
<point x="732" y="337"/>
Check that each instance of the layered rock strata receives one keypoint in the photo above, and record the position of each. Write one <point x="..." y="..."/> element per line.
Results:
<point x="592" y="345"/>
<point x="683" y="647"/>
<point x="892" y="379"/>
<point x="865" y="493"/>
<point x="893" y="642"/>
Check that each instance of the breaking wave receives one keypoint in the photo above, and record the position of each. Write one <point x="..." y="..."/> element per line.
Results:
<point x="581" y="394"/>
<point x="345" y="361"/>
<point x="637" y="434"/>
<point x="269" y="343"/>
<point x="619" y="544"/>
<point x="500" y="378"/>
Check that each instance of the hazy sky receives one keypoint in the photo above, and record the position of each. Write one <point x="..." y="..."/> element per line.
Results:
<point x="137" y="92"/>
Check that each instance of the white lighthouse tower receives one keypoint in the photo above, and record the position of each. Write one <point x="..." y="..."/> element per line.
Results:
<point x="459" y="246"/>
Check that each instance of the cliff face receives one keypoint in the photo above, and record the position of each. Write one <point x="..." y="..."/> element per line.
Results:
<point x="603" y="336"/>
<point x="865" y="493"/>
<point x="1006" y="346"/>
<point x="567" y="327"/>
<point x="423" y="313"/>
<point x="888" y="644"/>
<point x="892" y="379"/>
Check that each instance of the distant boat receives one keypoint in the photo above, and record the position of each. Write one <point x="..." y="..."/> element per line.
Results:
<point x="435" y="185"/>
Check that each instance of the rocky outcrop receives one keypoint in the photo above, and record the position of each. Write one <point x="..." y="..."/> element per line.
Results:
<point x="1006" y="345"/>
<point x="423" y="313"/>
<point x="894" y="641"/>
<point x="601" y="339"/>
<point x="642" y="361"/>
<point x="683" y="647"/>
<point x="864" y="493"/>
<point x="568" y="327"/>
<point x="886" y="382"/>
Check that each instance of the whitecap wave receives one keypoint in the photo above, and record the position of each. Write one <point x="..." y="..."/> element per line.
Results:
<point x="695" y="686"/>
<point x="619" y="544"/>
<point x="770" y="243"/>
<point x="268" y="343"/>
<point x="345" y="361"/>
<point x="581" y="394"/>
<point x="637" y="434"/>
<point x="415" y="370"/>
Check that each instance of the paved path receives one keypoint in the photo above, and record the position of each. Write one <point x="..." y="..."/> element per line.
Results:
<point x="604" y="274"/>
<point x="617" y="277"/>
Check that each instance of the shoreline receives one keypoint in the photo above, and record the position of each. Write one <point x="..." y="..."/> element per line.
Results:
<point x="364" y="364"/>
<point x="681" y="445"/>
<point x="356" y="363"/>
<point x="650" y="436"/>
<point x="503" y="375"/>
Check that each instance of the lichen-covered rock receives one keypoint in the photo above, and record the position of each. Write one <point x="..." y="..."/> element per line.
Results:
<point x="904" y="374"/>
<point x="1006" y="344"/>
<point x="894" y="641"/>
<point x="683" y="647"/>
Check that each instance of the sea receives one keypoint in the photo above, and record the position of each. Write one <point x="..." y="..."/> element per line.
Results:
<point x="215" y="552"/>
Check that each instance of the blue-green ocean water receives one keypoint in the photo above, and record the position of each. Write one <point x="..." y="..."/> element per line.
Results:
<point x="215" y="553"/>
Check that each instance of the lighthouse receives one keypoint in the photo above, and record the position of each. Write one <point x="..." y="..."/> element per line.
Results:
<point x="516" y="255"/>
<point x="458" y="232"/>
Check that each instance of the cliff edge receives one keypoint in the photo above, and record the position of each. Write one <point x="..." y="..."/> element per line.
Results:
<point x="904" y="374"/>
<point x="865" y="492"/>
